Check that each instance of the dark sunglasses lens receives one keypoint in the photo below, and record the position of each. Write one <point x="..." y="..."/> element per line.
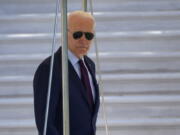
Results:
<point x="77" y="35"/>
<point x="89" y="36"/>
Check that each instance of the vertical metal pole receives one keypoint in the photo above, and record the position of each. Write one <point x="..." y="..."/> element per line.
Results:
<point x="51" y="69"/>
<point x="65" y="79"/>
<point x="85" y="5"/>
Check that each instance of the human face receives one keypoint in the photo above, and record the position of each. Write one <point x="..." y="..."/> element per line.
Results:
<point x="79" y="46"/>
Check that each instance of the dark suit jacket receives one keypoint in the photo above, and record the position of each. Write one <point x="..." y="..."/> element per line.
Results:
<point x="82" y="117"/>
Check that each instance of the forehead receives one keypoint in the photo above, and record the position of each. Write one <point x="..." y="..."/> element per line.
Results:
<point x="81" y="24"/>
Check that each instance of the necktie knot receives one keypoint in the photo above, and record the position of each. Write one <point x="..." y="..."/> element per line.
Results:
<point x="81" y="63"/>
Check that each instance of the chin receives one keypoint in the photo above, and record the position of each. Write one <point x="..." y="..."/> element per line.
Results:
<point x="83" y="52"/>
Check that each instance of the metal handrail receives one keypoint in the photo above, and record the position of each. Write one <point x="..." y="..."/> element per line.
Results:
<point x="65" y="80"/>
<point x="84" y="4"/>
<point x="101" y="89"/>
<point x="64" y="68"/>
<point x="51" y="68"/>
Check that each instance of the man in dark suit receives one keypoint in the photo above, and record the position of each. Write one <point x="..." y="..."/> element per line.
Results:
<point x="83" y="87"/>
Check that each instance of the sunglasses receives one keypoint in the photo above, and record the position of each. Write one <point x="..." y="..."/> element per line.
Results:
<point x="79" y="34"/>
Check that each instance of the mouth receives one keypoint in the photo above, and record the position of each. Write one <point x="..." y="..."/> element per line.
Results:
<point x="82" y="47"/>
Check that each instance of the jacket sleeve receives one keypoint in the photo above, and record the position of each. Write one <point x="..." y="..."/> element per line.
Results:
<point x="40" y="85"/>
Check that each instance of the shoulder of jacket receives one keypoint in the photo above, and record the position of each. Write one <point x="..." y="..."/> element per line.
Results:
<point x="89" y="59"/>
<point x="90" y="62"/>
<point x="44" y="65"/>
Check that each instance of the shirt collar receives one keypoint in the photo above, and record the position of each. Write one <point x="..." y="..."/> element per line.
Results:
<point x="73" y="59"/>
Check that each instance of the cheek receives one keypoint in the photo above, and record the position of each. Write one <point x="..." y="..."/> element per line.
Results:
<point x="70" y="39"/>
<point x="89" y="43"/>
<point x="70" y="42"/>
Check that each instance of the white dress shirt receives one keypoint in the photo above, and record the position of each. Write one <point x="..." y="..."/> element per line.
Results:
<point x="74" y="61"/>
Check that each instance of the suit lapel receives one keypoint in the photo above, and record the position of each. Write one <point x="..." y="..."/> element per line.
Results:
<point x="74" y="78"/>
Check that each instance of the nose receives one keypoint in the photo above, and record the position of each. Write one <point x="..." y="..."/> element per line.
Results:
<point x="83" y="38"/>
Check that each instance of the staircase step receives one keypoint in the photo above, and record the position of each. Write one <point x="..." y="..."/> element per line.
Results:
<point x="162" y="111"/>
<point x="45" y="6"/>
<point x="117" y="107"/>
<point x="141" y="127"/>
<point x="116" y="21"/>
<point x="123" y="62"/>
<point x="124" y="41"/>
<point x="123" y="84"/>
